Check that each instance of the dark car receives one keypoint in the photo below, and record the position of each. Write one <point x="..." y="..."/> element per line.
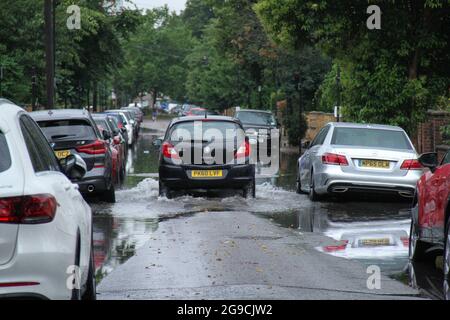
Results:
<point x="259" y="126"/>
<point x="430" y="221"/>
<point x="75" y="132"/>
<point x="199" y="153"/>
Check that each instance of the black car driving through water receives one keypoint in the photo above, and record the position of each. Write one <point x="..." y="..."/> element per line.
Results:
<point x="205" y="153"/>
<point x="74" y="132"/>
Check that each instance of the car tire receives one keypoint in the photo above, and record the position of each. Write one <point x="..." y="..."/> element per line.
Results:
<point x="164" y="191"/>
<point x="447" y="252"/>
<point x="417" y="248"/>
<point x="250" y="190"/>
<point x="313" y="196"/>
<point x="90" y="292"/>
<point x="109" y="195"/>
<point x="76" y="293"/>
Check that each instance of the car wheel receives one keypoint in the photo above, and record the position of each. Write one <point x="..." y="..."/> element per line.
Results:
<point x="447" y="253"/>
<point x="417" y="248"/>
<point x="91" y="292"/>
<point x="164" y="191"/>
<point x="110" y="194"/>
<point x="313" y="196"/>
<point x="250" y="190"/>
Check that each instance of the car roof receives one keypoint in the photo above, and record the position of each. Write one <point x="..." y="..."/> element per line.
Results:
<point x="364" y="125"/>
<point x="253" y="110"/>
<point x="8" y="111"/>
<point x="201" y="118"/>
<point x="59" y="114"/>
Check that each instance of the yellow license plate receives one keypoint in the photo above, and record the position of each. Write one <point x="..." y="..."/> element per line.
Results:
<point x="62" y="154"/>
<point x="375" y="242"/>
<point x="375" y="164"/>
<point x="207" y="173"/>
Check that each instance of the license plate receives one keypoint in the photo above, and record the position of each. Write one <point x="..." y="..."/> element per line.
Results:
<point x="207" y="174"/>
<point x="375" y="164"/>
<point x="375" y="242"/>
<point x="62" y="154"/>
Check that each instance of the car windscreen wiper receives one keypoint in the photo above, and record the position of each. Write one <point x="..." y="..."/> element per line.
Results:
<point x="62" y="136"/>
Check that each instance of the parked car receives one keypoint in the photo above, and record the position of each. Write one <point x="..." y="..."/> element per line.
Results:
<point x="121" y="123"/>
<point x="74" y="132"/>
<point x="349" y="157"/>
<point x="127" y="122"/>
<point x="430" y="221"/>
<point x="196" y="112"/>
<point x="45" y="225"/>
<point x="179" y="170"/>
<point x="259" y="126"/>
<point x="118" y="136"/>
<point x="114" y="143"/>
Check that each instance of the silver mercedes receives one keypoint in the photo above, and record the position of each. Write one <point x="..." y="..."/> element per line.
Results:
<point x="350" y="157"/>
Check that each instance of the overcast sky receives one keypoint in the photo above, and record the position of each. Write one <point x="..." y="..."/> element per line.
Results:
<point x="176" y="5"/>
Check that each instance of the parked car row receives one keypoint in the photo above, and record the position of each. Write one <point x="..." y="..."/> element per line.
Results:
<point x="48" y="160"/>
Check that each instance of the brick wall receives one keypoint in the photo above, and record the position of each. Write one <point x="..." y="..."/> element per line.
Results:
<point x="317" y="120"/>
<point x="429" y="132"/>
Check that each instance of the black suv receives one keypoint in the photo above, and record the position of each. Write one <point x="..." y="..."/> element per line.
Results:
<point x="205" y="153"/>
<point x="74" y="132"/>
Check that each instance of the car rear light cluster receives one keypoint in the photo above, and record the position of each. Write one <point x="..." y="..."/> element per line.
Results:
<point x="98" y="147"/>
<point x="169" y="151"/>
<point x="411" y="164"/>
<point x="28" y="209"/>
<point x="243" y="151"/>
<point x="334" y="159"/>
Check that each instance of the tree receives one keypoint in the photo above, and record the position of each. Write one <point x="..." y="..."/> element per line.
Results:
<point x="391" y="75"/>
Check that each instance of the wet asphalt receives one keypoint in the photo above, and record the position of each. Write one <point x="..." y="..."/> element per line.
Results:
<point x="277" y="246"/>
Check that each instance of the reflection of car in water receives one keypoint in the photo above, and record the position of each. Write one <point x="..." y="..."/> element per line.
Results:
<point x="431" y="212"/>
<point x="346" y="157"/>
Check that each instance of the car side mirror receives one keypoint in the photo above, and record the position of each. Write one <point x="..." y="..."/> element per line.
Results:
<point x="157" y="142"/>
<point x="73" y="167"/>
<point x="106" y="135"/>
<point x="429" y="160"/>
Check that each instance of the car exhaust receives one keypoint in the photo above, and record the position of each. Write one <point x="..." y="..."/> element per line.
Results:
<point x="91" y="188"/>
<point x="340" y="189"/>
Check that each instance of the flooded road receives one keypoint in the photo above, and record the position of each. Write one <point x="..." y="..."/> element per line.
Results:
<point x="370" y="231"/>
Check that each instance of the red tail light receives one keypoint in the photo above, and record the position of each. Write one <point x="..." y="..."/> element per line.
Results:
<point x="169" y="151"/>
<point x="243" y="151"/>
<point x="28" y="209"/>
<point x="411" y="164"/>
<point x="98" y="147"/>
<point x="334" y="159"/>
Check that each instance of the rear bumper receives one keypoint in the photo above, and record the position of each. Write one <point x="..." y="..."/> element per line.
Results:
<point x="95" y="181"/>
<point x="331" y="179"/>
<point x="235" y="177"/>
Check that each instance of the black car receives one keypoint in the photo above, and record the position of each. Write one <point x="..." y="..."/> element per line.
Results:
<point x="259" y="126"/>
<point x="205" y="153"/>
<point x="73" y="131"/>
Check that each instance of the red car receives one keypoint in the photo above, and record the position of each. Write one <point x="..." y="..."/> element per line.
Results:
<point x="431" y="211"/>
<point x="196" y="112"/>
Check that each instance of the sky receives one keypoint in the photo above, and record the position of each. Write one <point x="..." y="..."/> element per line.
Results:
<point x="176" y="5"/>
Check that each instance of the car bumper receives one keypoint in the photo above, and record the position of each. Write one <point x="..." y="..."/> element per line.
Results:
<point x="178" y="178"/>
<point x="332" y="179"/>
<point x="95" y="181"/>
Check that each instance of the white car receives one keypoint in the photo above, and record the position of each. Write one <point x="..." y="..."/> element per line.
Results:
<point x="45" y="225"/>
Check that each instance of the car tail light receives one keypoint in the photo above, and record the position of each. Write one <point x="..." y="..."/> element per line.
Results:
<point x="334" y="159"/>
<point x="411" y="164"/>
<point x="98" y="147"/>
<point x="28" y="209"/>
<point x="169" y="151"/>
<point x="243" y="151"/>
<point x="18" y="284"/>
<point x="338" y="247"/>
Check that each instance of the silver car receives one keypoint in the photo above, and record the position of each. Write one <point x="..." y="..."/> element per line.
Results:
<point x="367" y="158"/>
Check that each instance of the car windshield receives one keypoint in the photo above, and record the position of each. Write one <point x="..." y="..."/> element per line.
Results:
<point x="73" y="129"/>
<point x="373" y="138"/>
<point x="5" y="157"/>
<point x="258" y="118"/>
<point x="219" y="129"/>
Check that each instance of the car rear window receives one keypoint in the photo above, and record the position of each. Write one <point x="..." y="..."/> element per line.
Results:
<point x="376" y="138"/>
<point x="72" y="129"/>
<point x="5" y="157"/>
<point x="208" y="129"/>
<point x="258" y="118"/>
